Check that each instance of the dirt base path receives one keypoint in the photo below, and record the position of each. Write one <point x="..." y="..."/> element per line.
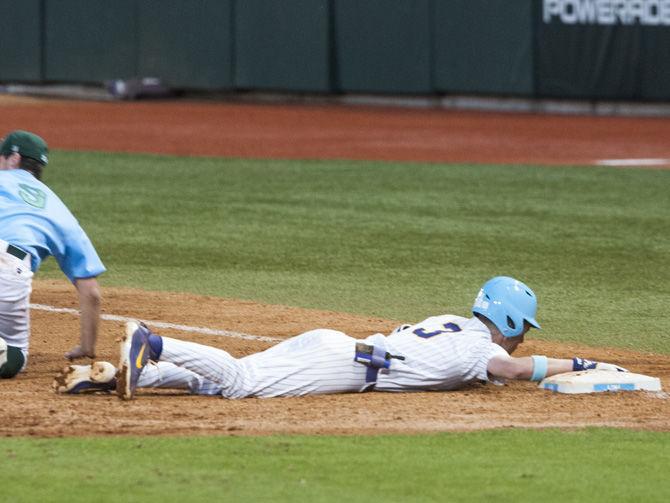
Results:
<point x="336" y="132"/>
<point x="31" y="408"/>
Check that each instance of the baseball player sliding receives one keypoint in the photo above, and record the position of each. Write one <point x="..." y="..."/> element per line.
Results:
<point x="440" y="353"/>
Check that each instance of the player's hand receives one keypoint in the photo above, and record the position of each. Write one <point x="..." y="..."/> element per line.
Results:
<point x="610" y="366"/>
<point x="584" y="364"/>
<point x="78" y="352"/>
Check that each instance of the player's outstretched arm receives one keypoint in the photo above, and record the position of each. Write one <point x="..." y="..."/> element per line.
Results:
<point x="89" y="305"/>
<point x="508" y="367"/>
<point x="536" y="368"/>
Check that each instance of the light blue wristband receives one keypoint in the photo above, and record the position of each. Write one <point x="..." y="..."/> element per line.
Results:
<point x="540" y="367"/>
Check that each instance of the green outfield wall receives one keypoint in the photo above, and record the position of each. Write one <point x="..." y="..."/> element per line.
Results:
<point x="383" y="46"/>
<point x="89" y="40"/>
<point x="21" y="41"/>
<point x="283" y="45"/>
<point x="585" y="49"/>
<point x="603" y="49"/>
<point x="188" y="44"/>
<point x="496" y="57"/>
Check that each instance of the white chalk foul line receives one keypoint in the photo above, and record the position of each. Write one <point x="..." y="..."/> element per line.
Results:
<point x="161" y="324"/>
<point x="633" y="162"/>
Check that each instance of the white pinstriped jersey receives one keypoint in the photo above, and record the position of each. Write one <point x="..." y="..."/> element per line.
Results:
<point x="441" y="353"/>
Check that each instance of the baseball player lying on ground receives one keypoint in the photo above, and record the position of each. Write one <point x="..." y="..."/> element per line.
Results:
<point x="440" y="353"/>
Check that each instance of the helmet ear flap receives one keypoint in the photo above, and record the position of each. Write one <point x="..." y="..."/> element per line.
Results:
<point x="515" y="322"/>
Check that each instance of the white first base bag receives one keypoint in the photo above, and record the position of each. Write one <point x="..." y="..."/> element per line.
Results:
<point x="596" y="381"/>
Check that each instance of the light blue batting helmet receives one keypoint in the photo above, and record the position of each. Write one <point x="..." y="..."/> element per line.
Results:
<point x="507" y="302"/>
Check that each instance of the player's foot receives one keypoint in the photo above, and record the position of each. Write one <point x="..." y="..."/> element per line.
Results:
<point x="134" y="356"/>
<point x="75" y="379"/>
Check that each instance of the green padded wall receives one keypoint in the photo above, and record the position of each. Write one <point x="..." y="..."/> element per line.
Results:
<point x="484" y="46"/>
<point x="90" y="40"/>
<point x="550" y="48"/>
<point x="588" y="61"/>
<point x="282" y="45"/>
<point x="655" y="64"/>
<point x="21" y="41"/>
<point x="187" y="44"/>
<point x="382" y="46"/>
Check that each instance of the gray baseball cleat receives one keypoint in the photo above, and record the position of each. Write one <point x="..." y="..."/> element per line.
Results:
<point x="77" y="379"/>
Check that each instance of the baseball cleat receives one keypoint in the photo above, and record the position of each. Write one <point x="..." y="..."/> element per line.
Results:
<point x="76" y="379"/>
<point x="134" y="357"/>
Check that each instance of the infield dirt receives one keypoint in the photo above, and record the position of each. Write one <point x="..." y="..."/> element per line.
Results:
<point x="336" y="132"/>
<point x="31" y="408"/>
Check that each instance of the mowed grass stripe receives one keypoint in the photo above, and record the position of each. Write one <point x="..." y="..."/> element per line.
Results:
<point x="503" y="465"/>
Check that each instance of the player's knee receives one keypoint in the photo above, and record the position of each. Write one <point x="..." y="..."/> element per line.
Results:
<point x="13" y="364"/>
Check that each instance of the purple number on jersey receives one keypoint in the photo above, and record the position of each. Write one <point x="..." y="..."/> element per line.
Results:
<point x="449" y="329"/>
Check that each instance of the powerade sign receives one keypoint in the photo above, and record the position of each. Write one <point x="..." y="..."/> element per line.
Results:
<point x="602" y="49"/>
<point x="607" y="12"/>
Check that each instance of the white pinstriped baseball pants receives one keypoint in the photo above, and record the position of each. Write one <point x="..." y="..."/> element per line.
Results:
<point x="317" y="362"/>
<point x="167" y="375"/>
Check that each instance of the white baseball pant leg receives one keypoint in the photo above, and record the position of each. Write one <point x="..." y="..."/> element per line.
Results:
<point x="316" y="362"/>
<point x="15" y="287"/>
<point x="169" y="376"/>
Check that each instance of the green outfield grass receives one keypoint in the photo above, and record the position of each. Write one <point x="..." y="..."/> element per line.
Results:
<point x="396" y="240"/>
<point x="502" y="466"/>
